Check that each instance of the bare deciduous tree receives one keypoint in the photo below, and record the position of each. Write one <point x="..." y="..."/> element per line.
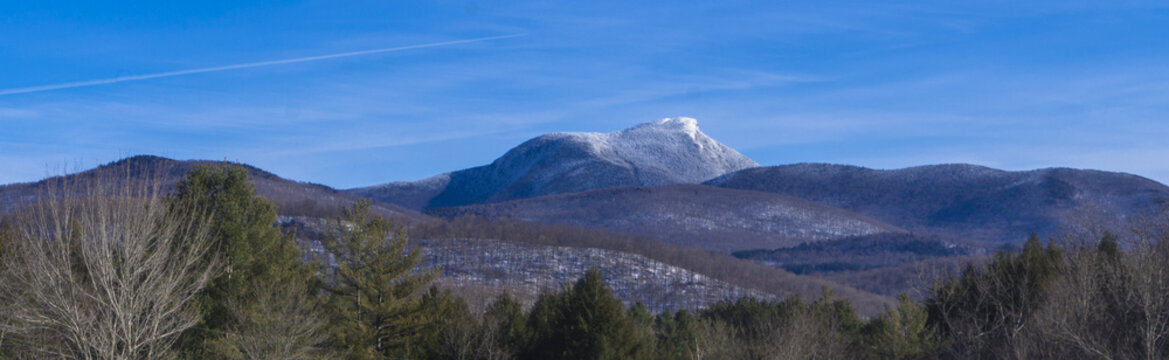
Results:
<point x="471" y="341"/>
<point x="1111" y="304"/>
<point x="283" y="322"/>
<point x="1072" y="317"/>
<point x="102" y="271"/>
<point x="716" y="340"/>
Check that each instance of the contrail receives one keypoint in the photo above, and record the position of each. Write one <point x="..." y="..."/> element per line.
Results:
<point x="119" y="79"/>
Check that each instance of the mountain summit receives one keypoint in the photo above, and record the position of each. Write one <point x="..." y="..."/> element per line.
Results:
<point x="667" y="151"/>
<point x="663" y="152"/>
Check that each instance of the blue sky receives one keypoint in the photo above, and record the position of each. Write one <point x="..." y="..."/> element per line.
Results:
<point x="1007" y="84"/>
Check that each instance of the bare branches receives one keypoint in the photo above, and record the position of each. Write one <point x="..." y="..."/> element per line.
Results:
<point x="103" y="270"/>
<point x="283" y="322"/>
<point x="1112" y="305"/>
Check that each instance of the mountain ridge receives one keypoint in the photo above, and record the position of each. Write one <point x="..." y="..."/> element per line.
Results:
<point x="961" y="200"/>
<point x="663" y="152"/>
<point x="290" y="196"/>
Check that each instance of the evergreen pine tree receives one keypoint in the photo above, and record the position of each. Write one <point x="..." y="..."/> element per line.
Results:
<point x="451" y="331"/>
<point x="371" y="288"/>
<point x="1108" y="247"/>
<point x="675" y="335"/>
<point x="544" y="322"/>
<point x="6" y="236"/>
<point x="583" y="322"/>
<point x="644" y="338"/>
<point x="505" y="317"/>
<point x="245" y="237"/>
<point x="901" y="333"/>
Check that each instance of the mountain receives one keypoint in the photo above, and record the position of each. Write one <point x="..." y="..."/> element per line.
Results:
<point x="290" y="197"/>
<point x="705" y="217"/>
<point x="963" y="201"/>
<point x="533" y="257"/>
<point x="668" y="151"/>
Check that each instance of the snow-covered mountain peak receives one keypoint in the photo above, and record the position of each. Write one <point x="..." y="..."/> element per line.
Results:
<point x="684" y="125"/>
<point x="662" y="152"/>
<point x="666" y="151"/>
<point x="675" y="123"/>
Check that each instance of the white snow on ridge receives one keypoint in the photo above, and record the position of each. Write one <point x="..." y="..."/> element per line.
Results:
<point x="436" y="181"/>
<point x="670" y="150"/>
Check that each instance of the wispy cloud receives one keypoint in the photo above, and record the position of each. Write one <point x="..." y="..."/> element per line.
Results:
<point x="77" y="84"/>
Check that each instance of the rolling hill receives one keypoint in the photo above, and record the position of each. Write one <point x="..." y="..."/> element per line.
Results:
<point x="291" y="197"/>
<point x="962" y="201"/>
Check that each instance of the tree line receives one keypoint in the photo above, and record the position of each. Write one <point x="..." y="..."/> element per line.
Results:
<point x="122" y="268"/>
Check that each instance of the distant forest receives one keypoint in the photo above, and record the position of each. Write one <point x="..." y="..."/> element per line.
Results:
<point x="125" y="268"/>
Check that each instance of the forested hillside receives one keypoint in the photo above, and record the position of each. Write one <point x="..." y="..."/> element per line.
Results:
<point x="704" y="217"/>
<point x="118" y="267"/>
<point x="464" y="237"/>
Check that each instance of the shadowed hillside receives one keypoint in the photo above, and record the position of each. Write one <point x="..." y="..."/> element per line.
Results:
<point x="705" y="217"/>
<point x="963" y="201"/>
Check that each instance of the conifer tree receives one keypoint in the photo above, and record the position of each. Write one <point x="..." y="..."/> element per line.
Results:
<point x="452" y="332"/>
<point x="901" y="333"/>
<point x="1108" y="247"/>
<point x="246" y="241"/>
<point x="506" y="319"/>
<point x="583" y="322"/>
<point x="371" y="288"/>
<point x="675" y="335"/>
<point x="643" y="335"/>
<point x="5" y="234"/>
<point x="543" y="320"/>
